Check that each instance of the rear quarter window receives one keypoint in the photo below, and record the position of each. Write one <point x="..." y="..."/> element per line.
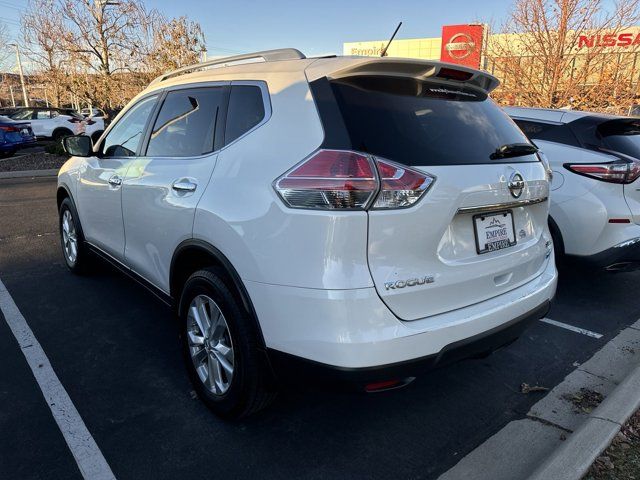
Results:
<point x="246" y="110"/>
<point x="548" y="131"/>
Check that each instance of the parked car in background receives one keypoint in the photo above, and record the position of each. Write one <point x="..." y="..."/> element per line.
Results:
<point x="14" y="136"/>
<point x="595" y="198"/>
<point x="353" y="218"/>
<point x="56" y="123"/>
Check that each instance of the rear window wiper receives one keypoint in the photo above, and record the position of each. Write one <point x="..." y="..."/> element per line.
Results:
<point x="513" y="150"/>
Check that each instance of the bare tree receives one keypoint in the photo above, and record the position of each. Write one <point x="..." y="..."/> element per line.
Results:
<point x="176" y="43"/>
<point x="4" y="44"/>
<point x="104" y="34"/>
<point x="103" y="52"/>
<point x="103" y="37"/>
<point x="42" y="29"/>
<point x="555" y="53"/>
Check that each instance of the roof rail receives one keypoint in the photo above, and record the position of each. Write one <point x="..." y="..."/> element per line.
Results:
<point x="267" y="56"/>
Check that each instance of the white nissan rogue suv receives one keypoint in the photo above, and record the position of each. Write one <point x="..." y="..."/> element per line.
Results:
<point x="340" y="218"/>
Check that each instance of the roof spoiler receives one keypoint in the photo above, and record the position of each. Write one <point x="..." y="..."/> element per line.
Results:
<point x="420" y="70"/>
<point x="620" y="126"/>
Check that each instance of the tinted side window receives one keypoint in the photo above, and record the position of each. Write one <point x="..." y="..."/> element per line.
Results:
<point x="186" y="124"/>
<point x="23" y="115"/>
<point x="548" y="131"/>
<point x="43" y="114"/>
<point x="124" y="138"/>
<point x="246" y="110"/>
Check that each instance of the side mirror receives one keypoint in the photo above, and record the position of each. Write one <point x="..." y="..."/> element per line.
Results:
<point x="78" y="145"/>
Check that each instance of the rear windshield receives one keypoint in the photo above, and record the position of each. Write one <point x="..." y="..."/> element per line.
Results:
<point x="416" y="123"/>
<point x="627" y="144"/>
<point x="622" y="136"/>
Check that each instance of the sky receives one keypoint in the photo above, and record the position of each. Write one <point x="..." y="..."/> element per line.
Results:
<point x="318" y="27"/>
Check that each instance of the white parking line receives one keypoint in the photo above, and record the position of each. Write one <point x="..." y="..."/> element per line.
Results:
<point x="86" y="453"/>
<point x="588" y="333"/>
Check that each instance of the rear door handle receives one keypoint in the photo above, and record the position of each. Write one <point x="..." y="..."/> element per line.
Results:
<point x="184" y="186"/>
<point x="115" y="181"/>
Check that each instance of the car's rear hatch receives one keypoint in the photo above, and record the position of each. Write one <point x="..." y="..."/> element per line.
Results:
<point x="426" y="259"/>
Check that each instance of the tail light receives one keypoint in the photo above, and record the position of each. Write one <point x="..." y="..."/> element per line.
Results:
<point x="330" y="179"/>
<point x="345" y="180"/>
<point x="8" y="128"/>
<point x="615" y="172"/>
<point x="454" y="74"/>
<point x="399" y="186"/>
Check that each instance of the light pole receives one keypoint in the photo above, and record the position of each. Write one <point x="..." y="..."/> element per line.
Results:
<point x="24" y="88"/>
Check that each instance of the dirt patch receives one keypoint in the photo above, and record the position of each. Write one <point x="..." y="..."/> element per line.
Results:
<point x="621" y="461"/>
<point x="32" y="161"/>
<point x="584" y="401"/>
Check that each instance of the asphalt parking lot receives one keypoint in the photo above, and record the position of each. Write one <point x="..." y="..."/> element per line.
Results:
<point x="115" y="349"/>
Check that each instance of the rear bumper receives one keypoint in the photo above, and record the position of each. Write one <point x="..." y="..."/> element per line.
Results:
<point x="354" y="329"/>
<point x="292" y="369"/>
<point x="624" y="256"/>
<point x="13" y="146"/>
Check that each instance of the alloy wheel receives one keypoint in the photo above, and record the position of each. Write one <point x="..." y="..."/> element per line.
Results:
<point x="210" y="344"/>
<point x="69" y="237"/>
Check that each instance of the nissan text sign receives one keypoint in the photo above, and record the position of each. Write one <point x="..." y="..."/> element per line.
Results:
<point x="462" y="44"/>
<point x="623" y="39"/>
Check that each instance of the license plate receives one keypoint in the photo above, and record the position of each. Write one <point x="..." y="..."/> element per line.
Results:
<point x="494" y="231"/>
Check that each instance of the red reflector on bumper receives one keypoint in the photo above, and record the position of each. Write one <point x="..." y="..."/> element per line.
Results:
<point x="373" y="387"/>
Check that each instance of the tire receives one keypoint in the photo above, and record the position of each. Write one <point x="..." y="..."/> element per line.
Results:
<point x="59" y="134"/>
<point x="74" y="249"/>
<point x="247" y="386"/>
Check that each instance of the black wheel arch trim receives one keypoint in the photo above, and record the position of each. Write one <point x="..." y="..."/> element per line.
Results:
<point x="62" y="131"/>
<point x="228" y="267"/>
<point x="64" y="187"/>
<point x="553" y="226"/>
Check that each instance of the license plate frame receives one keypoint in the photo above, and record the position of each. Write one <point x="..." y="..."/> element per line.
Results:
<point x="499" y="244"/>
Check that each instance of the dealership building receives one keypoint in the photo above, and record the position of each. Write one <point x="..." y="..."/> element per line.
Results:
<point x="466" y="39"/>
<point x="612" y="57"/>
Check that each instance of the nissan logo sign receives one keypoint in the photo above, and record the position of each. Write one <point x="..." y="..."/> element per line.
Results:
<point x="460" y="46"/>
<point x="516" y="185"/>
